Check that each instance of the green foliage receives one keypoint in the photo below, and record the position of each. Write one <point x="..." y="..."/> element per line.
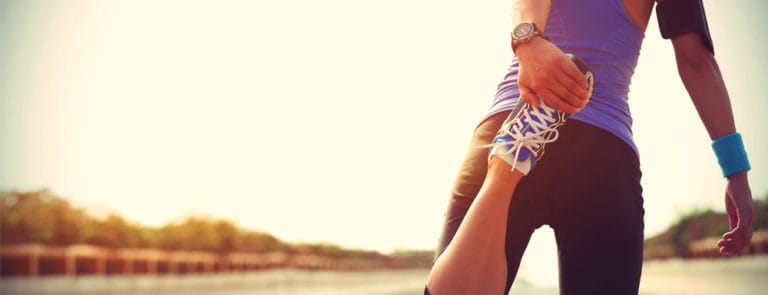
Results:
<point x="39" y="217"/>
<point x="42" y="217"/>
<point x="696" y="225"/>
<point x="701" y="224"/>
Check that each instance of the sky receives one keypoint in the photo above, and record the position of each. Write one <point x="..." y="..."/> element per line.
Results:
<point x="339" y="121"/>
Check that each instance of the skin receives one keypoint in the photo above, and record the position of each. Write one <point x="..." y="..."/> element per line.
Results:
<point x="544" y="69"/>
<point x="701" y="76"/>
<point x="459" y="270"/>
<point x="546" y="72"/>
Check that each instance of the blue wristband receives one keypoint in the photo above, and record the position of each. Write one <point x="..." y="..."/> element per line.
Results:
<point x="730" y="153"/>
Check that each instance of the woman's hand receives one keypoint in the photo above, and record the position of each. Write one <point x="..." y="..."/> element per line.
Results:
<point x="546" y="72"/>
<point x="741" y="215"/>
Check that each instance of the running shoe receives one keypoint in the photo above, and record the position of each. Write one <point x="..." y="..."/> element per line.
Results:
<point x="523" y="135"/>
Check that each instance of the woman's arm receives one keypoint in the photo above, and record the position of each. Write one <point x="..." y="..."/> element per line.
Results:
<point x="701" y="75"/>
<point x="531" y="11"/>
<point x="544" y="69"/>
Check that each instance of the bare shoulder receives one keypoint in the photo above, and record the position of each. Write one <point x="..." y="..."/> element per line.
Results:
<point x="639" y="11"/>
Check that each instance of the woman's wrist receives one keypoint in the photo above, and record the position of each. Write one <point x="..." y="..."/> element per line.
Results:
<point x="731" y="154"/>
<point x="740" y="177"/>
<point x="534" y="46"/>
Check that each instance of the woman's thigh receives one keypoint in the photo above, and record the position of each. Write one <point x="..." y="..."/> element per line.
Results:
<point x="596" y="211"/>
<point x="470" y="178"/>
<point x="524" y="212"/>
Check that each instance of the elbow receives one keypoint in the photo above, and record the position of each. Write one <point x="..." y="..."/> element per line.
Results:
<point x="696" y="64"/>
<point x="696" y="61"/>
<point x="692" y="55"/>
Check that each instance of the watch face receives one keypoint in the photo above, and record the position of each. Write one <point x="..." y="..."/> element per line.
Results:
<point x="523" y="30"/>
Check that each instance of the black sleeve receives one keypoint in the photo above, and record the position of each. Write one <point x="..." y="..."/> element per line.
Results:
<point x="678" y="17"/>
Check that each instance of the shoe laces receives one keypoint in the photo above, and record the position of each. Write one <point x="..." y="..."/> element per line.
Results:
<point x="541" y="131"/>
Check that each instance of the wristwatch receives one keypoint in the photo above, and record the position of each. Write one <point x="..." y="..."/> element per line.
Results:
<point x="523" y="33"/>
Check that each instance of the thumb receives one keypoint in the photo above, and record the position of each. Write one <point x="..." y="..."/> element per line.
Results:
<point x="734" y="234"/>
<point x="527" y="95"/>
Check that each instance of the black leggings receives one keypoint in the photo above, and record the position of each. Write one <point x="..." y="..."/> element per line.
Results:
<point x="587" y="188"/>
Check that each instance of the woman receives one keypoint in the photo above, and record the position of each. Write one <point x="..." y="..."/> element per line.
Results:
<point x="587" y="187"/>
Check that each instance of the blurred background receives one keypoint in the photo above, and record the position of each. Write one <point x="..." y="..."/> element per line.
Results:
<point x="260" y="139"/>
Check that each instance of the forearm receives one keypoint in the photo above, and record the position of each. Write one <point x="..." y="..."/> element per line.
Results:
<point x="701" y="76"/>
<point x="544" y="72"/>
<point x="531" y="11"/>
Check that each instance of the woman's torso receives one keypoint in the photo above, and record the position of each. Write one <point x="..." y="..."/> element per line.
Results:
<point x="608" y="38"/>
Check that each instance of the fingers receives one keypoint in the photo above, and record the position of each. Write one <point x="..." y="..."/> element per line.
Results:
<point x="528" y="96"/>
<point x="741" y="217"/>
<point x="553" y="77"/>
<point x="572" y="85"/>
<point x="732" y="242"/>
<point x="563" y="87"/>
<point x="740" y="235"/>
<point x="560" y="96"/>
<point x="574" y="97"/>
<point x="575" y="82"/>
<point x="575" y="75"/>
<point x="556" y="102"/>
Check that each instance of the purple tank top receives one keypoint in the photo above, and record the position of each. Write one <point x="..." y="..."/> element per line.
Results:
<point x="602" y="34"/>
